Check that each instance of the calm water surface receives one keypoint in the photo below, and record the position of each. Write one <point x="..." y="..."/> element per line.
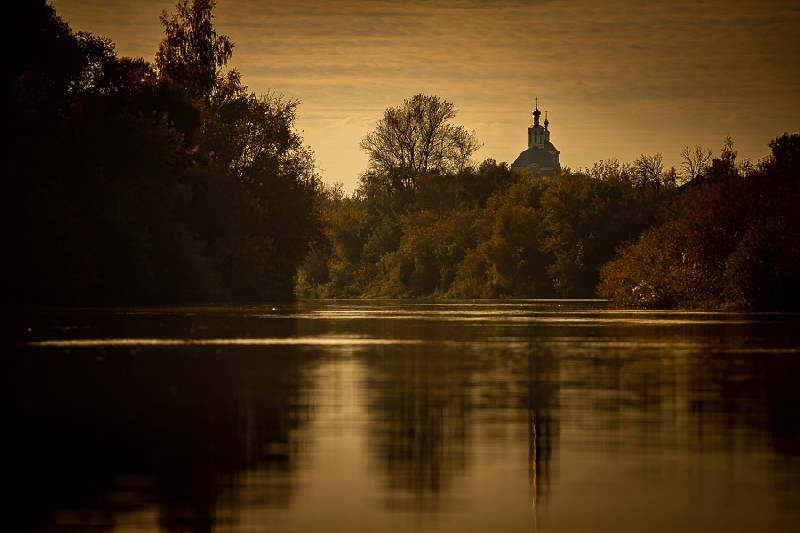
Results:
<point x="397" y="416"/>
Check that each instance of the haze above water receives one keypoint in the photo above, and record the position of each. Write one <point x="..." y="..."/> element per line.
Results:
<point x="400" y="416"/>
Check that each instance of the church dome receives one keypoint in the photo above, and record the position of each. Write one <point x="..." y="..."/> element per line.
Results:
<point x="537" y="159"/>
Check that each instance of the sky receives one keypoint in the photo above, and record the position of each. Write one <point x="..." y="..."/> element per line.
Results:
<point x="618" y="78"/>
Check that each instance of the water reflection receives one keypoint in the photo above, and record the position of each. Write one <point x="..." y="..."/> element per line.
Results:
<point x="332" y="416"/>
<point x="420" y="413"/>
<point x="104" y="433"/>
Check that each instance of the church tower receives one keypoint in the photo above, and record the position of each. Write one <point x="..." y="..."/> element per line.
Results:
<point x="541" y="157"/>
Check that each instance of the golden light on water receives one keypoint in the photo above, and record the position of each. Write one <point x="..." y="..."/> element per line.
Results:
<point x="295" y="341"/>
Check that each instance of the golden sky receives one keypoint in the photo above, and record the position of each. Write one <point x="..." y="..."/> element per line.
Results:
<point x="618" y="78"/>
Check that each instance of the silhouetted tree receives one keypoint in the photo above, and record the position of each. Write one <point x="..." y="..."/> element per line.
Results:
<point x="732" y="241"/>
<point x="418" y="138"/>
<point x="192" y="54"/>
<point x="786" y="156"/>
<point x="694" y="161"/>
<point x="166" y="186"/>
<point x="648" y="169"/>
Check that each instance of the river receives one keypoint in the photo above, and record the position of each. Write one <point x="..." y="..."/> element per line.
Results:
<point x="488" y="416"/>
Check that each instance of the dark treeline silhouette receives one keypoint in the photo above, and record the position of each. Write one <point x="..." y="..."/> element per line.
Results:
<point x="133" y="182"/>
<point x="731" y="240"/>
<point x="426" y="223"/>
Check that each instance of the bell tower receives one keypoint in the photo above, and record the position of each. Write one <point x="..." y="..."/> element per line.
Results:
<point x="541" y="158"/>
<point x="537" y="135"/>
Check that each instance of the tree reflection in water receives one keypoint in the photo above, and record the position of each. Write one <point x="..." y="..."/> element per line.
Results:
<point x="426" y="404"/>
<point x="100" y="436"/>
<point x="456" y="422"/>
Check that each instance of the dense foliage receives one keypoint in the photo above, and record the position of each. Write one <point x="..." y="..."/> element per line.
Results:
<point x="483" y="232"/>
<point x="733" y="240"/>
<point x="728" y="236"/>
<point x="130" y="182"/>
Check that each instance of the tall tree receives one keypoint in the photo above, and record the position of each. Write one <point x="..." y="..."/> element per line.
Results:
<point x="418" y="137"/>
<point x="192" y="54"/>
<point x="173" y="185"/>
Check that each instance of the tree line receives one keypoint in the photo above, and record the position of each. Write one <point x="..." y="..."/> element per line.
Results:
<point x="730" y="240"/>
<point x="424" y="222"/>
<point x="137" y="182"/>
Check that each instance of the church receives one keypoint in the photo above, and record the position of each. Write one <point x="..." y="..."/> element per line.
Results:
<point x="541" y="157"/>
